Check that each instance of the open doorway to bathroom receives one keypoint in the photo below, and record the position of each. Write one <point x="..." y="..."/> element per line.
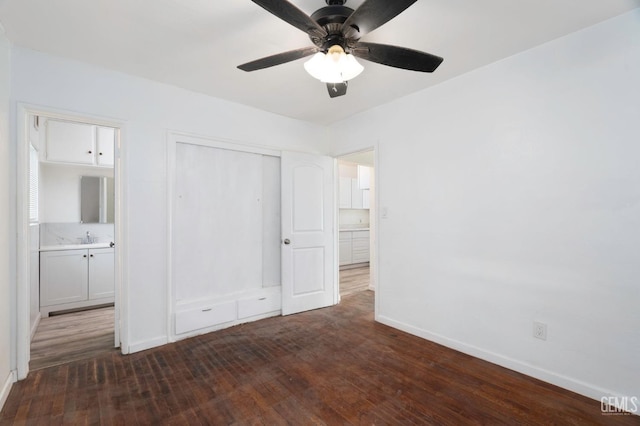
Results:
<point x="355" y="216"/>
<point x="71" y="204"/>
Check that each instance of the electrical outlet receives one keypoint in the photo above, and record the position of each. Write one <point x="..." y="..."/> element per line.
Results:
<point x="540" y="330"/>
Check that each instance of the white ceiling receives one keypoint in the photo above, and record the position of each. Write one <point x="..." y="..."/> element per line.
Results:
<point x="197" y="44"/>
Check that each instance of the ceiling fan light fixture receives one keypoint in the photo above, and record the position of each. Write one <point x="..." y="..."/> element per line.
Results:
<point x="335" y="66"/>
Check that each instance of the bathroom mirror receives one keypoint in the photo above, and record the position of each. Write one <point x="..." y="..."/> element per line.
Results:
<point x="96" y="199"/>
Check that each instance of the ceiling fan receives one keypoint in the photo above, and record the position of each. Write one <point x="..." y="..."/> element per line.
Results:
<point x="335" y="32"/>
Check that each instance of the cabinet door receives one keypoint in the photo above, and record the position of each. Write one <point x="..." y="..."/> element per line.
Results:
<point x="105" y="143"/>
<point x="356" y="195"/>
<point x="101" y="273"/>
<point x="345" y="250"/>
<point x="70" y="142"/>
<point x="360" y="247"/>
<point x="345" y="193"/>
<point x="366" y="203"/>
<point x="360" y="250"/>
<point x="63" y="277"/>
<point x="364" y="177"/>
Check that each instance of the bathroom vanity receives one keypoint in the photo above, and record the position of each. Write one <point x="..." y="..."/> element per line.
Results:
<point x="75" y="276"/>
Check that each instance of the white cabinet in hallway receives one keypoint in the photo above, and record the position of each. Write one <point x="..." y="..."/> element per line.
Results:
<point x="351" y="196"/>
<point x="359" y="246"/>
<point x="354" y="247"/>
<point x="71" y="279"/>
<point x="354" y="191"/>
<point x="345" y="248"/>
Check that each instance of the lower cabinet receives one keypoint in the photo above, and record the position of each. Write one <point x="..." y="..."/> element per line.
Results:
<point x="345" y="248"/>
<point x="71" y="279"/>
<point x="354" y="247"/>
<point x="360" y="246"/>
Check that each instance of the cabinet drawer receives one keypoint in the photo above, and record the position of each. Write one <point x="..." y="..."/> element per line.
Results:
<point x="359" y="245"/>
<point x="361" y="257"/>
<point x="345" y="235"/>
<point x="259" y="305"/>
<point x="360" y="234"/>
<point x="345" y="252"/>
<point x="204" y="317"/>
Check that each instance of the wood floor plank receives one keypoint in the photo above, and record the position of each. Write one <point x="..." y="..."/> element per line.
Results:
<point x="332" y="366"/>
<point x="354" y="280"/>
<point x="72" y="336"/>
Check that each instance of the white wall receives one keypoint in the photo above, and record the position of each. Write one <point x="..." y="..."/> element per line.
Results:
<point x="6" y="293"/>
<point x="513" y="196"/>
<point x="149" y="110"/>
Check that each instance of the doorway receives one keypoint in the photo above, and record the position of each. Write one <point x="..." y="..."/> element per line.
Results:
<point x="356" y="214"/>
<point x="69" y="193"/>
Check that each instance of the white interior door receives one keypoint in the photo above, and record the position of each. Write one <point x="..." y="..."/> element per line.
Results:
<point x="308" y="279"/>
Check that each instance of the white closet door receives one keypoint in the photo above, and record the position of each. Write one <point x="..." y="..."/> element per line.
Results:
<point x="217" y="227"/>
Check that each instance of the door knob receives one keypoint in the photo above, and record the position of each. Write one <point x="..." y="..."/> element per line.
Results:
<point x="287" y="241"/>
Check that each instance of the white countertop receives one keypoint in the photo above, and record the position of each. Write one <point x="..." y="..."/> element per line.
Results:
<point x="349" y="228"/>
<point x="75" y="246"/>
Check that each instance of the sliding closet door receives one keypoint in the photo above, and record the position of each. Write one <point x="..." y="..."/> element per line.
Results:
<point x="218" y="224"/>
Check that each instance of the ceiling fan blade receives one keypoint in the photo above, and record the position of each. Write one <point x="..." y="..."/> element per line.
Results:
<point x="278" y="59"/>
<point x="337" y="89"/>
<point x="371" y="14"/>
<point x="399" y="57"/>
<point x="294" y="16"/>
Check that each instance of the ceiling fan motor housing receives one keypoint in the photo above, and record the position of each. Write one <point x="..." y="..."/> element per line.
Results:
<point x="331" y="19"/>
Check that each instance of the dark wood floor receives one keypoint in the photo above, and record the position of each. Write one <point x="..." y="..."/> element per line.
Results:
<point x="72" y="336"/>
<point x="332" y="366"/>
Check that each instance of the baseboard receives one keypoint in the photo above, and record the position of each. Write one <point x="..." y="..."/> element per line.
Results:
<point x="147" y="344"/>
<point x="35" y="326"/>
<point x="354" y="266"/>
<point x="6" y="388"/>
<point x="565" y="382"/>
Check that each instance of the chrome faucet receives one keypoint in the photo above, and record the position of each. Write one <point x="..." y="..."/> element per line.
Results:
<point x="88" y="239"/>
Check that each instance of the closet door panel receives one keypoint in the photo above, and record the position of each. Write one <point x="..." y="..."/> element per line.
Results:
<point x="217" y="226"/>
<point x="271" y="221"/>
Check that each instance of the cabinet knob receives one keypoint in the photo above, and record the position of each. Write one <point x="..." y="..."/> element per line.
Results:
<point x="90" y="255"/>
<point x="99" y="153"/>
<point x="84" y="255"/>
<point x="90" y="152"/>
<point x="287" y="241"/>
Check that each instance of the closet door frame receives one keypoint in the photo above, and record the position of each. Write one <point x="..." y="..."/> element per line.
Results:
<point x="173" y="139"/>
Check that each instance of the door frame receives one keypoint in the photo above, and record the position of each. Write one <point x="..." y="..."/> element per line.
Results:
<point x="22" y="339"/>
<point x="374" y="258"/>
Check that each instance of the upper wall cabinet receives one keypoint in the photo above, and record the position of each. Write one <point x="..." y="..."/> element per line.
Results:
<point x="364" y="177"/>
<point x="354" y="191"/>
<point x="105" y="145"/>
<point x="79" y="143"/>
